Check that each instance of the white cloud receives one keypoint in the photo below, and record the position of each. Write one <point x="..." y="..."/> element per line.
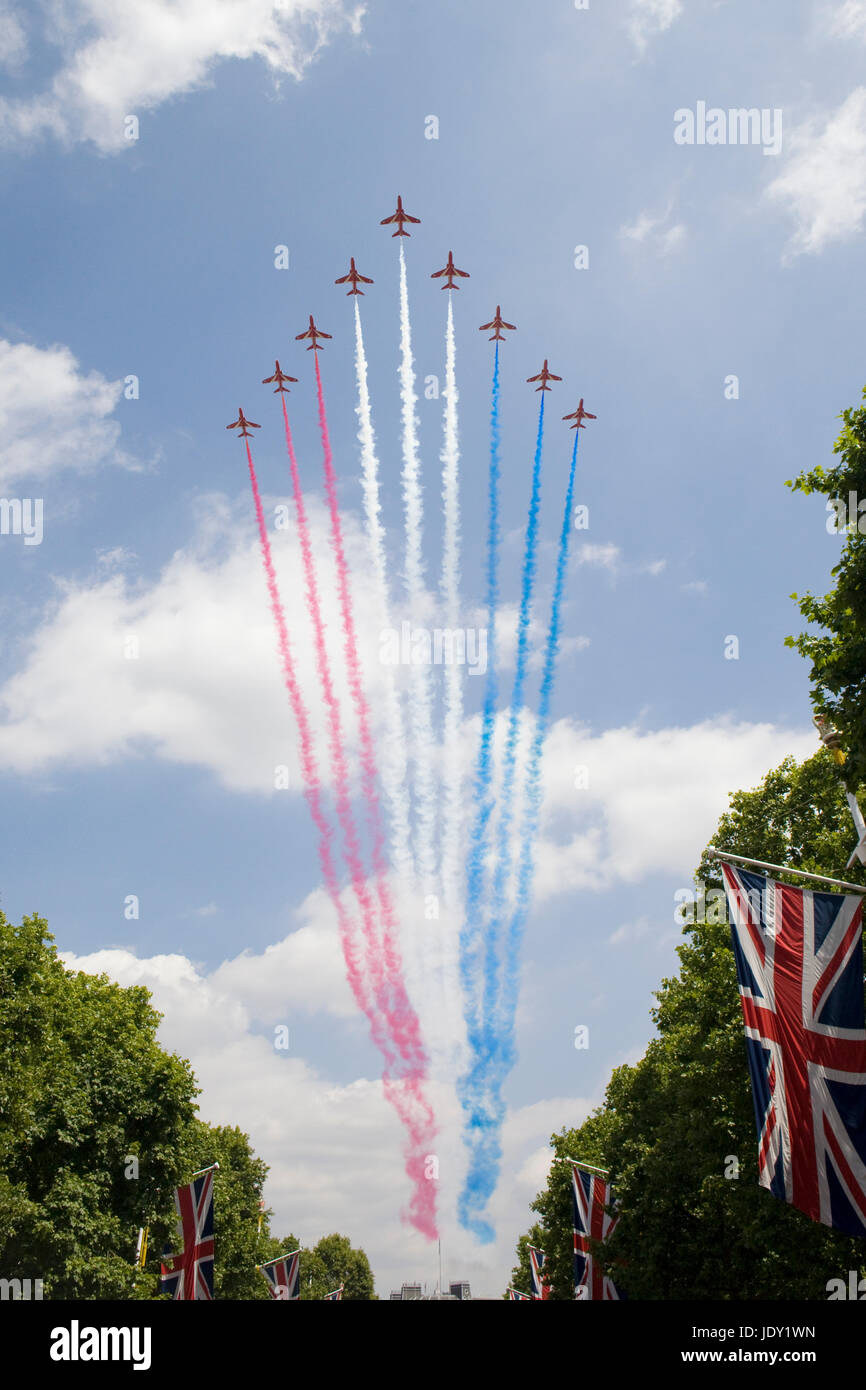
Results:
<point x="605" y="556"/>
<point x="53" y="415"/>
<point x="823" y="181"/>
<point x="695" y="586"/>
<point x="653" y="800"/>
<point x="648" y="18"/>
<point x="13" y="39"/>
<point x="656" y="231"/>
<point x="848" y="20"/>
<point x="205" y="687"/>
<point x="122" y="59"/>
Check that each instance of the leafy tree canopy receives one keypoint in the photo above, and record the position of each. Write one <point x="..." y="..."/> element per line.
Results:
<point x="838" y="651"/>
<point x="98" y="1125"/>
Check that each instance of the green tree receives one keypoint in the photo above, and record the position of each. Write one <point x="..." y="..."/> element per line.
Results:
<point x="838" y="651"/>
<point x="86" y="1097"/>
<point x="97" y="1127"/>
<point x="333" y="1262"/>
<point x="675" y="1128"/>
<point x="239" y="1244"/>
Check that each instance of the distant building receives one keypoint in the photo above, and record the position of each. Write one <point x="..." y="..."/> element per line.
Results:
<point x="413" y="1293"/>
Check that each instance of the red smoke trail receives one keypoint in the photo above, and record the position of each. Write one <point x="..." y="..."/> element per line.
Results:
<point x="403" y="1090"/>
<point x="401" y="1017"/>
<point x="312" y="786"/>
<point x="352" y="845"/>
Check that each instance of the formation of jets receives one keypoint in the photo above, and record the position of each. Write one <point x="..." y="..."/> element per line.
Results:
<point x="279" y="377"/>
<point x="399" y="217"/>
<point x="243" y="424"/>
<point x="544" y="376"/>
<point x="496" y="323"/>
<point x="353" y="278"/>
<point x="578" y="416"/>
<point x="450" y="270"/>
<point x="315" y="334"/>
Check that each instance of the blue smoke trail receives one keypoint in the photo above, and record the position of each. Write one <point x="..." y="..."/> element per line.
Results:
<point x="532" y="812"/>
<point x="470" y="935"/>
<point x="483" y="1122"/>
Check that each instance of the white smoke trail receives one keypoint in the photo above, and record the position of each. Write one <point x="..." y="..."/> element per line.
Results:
<point x="394" y="760"/>
<point x="450" y="590"/>
<point x="420" y="674"/>
<point x="452" y="771"/>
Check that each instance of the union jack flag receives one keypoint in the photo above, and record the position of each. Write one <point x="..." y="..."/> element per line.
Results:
<point x="190" y="1274"/>
<point x="799" y="959"/>
<point x="284" y="1276"/>
<point x="515" y="1295"/>
<point x="540" y="1286"/>
<point x="591" y="1198"/>
<point x="335" y="1295"/>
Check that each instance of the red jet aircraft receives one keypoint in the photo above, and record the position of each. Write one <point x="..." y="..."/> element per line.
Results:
<point x="352" y="278"/>
<point x="279" y="377"/>
<point x="450" y="270"/>
<point x="314" y="333"/>
<point x="544" y="376"/>
<point x="399" y="217"/>
<point x="242" y="422"/>
<point x="578" y="416"/>
<point x="496" y="323"/>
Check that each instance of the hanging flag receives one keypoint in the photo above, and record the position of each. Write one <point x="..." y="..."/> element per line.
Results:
<point x="335" y="1296"/>
<point x="591" y="1198"/>
<point x="515" y="1294"/>
<point x="190" y="1274"/>
<point x="284" y="1276"/>
<point x="540" y="1286"/>
<point x="799" y="958"/>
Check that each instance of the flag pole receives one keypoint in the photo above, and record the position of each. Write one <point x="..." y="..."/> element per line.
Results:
<point x="285" y="1255"/>
<point x="781" y="869"/>
<point x="578" y="1163"/>
<point x="831" y="741"/>
<point x="201" y="1171"/>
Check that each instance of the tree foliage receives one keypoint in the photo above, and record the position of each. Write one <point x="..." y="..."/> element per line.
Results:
<point x="675" y="1128"/>
<point x="84" y="1088"/>
<point x="333" y="1262"/>
<point x="98" y="1125"/>
<point x="838" y="651"/>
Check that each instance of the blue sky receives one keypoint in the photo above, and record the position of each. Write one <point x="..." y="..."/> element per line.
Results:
<point x="156" y="258"/>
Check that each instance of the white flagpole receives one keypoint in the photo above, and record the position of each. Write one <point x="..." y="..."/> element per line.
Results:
<point x="782" y="869"/>
<point x="578" y="1163"/>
